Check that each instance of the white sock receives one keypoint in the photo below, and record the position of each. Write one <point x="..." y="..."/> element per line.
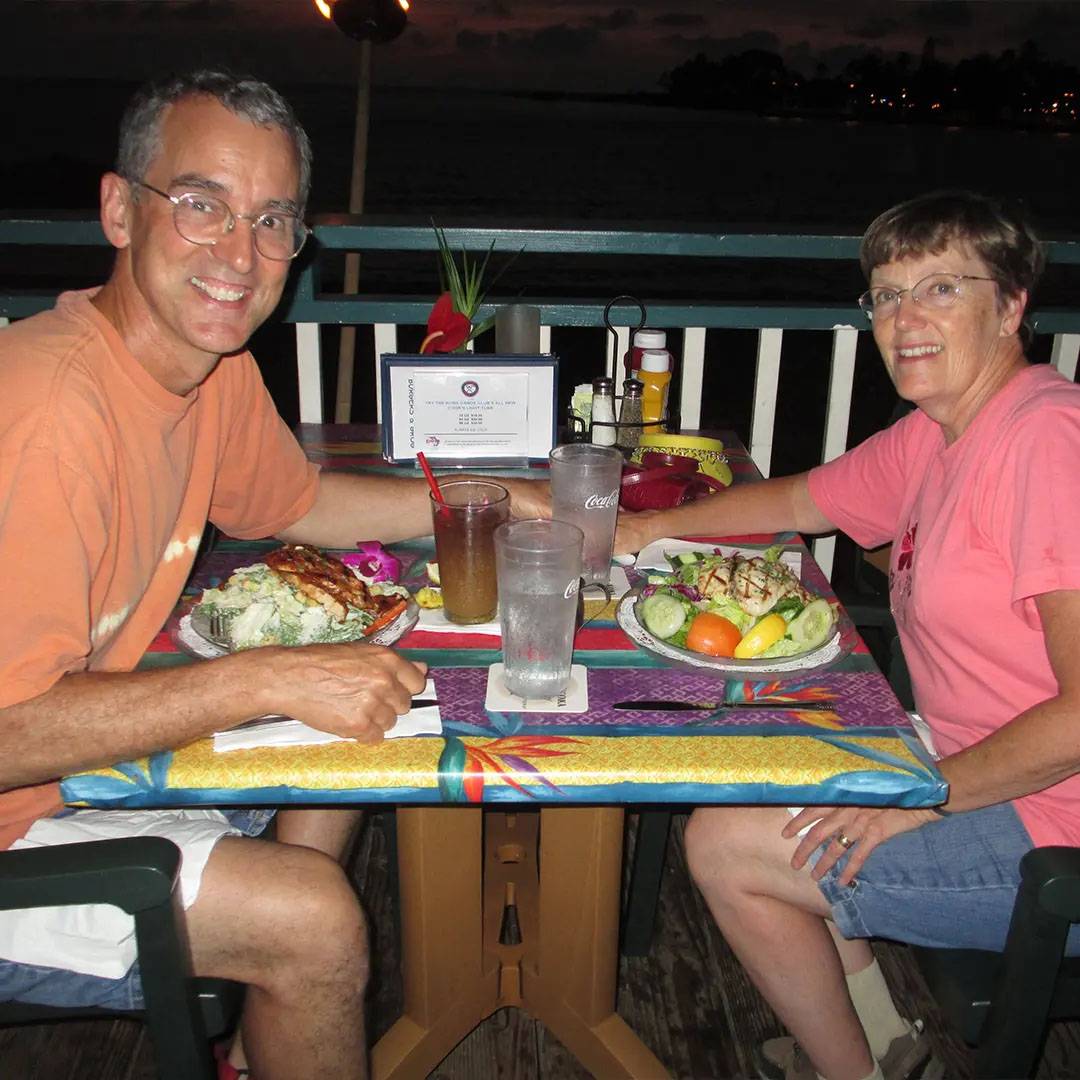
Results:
<point x="875" y="1009"/>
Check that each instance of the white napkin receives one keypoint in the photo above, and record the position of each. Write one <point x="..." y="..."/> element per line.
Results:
<point x="284" y="731"/>
<point x="434" y="621"/>
<point x="574" y="699"/>
<point x="652" y="557"/>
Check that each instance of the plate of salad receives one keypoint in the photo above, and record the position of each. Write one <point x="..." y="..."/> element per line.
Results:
<point x="733" y="614"/>
<point x="297" y="596"/>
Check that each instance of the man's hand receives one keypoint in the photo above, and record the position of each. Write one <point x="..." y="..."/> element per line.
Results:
<point x="865" y="827"/>
<point x="354" y="690"/>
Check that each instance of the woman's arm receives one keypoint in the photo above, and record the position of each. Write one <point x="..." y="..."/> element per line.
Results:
<point x="1041" y="746"/>
<point x="775" y="505"/>
<point x="1035" y="750"/>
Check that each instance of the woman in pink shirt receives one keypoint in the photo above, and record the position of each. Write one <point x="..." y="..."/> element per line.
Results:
<point x="979" y="491"/>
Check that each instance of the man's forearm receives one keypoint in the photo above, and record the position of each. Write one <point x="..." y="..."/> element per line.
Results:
<point x="96" y="718"/>
<point x="352" y="507"/>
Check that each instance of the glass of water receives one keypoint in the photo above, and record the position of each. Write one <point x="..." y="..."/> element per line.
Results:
<point x="585" y="492"/>
<point x="538" y="563"/>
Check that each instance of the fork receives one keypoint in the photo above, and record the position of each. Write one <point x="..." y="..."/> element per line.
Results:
<point x="219" y="628"/>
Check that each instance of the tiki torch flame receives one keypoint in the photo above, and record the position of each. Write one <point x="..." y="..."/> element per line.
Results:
<point x="324" y="9"/>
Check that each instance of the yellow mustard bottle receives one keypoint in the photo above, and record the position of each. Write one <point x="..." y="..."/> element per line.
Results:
<point x="655" y="375"/>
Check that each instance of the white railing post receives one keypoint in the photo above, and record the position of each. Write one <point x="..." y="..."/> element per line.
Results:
<point x="545" y="339"/>
<point x="309" y="373"/>
<point x="693" y="377"/>
<point x="766" y="379"/>
<point x="837" y="417"/>
<point x="385" y="342"/>
<point x="1064" y="353"/>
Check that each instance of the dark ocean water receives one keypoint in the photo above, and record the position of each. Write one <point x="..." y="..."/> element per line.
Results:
<point x="460" y="155"/>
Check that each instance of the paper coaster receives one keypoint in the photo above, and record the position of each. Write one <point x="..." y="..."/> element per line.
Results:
<point x="574" y="699"/>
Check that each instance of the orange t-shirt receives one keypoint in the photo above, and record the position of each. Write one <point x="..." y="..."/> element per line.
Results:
<point x="106" y="483"/>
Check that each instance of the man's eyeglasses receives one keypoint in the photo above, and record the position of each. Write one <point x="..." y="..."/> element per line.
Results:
<point x="934" y="290"/>
<point x="205" y="219"/>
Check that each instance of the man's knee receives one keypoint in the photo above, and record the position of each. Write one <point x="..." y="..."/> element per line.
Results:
<point x="278" y="912"/>
<point x="317" y="914"/>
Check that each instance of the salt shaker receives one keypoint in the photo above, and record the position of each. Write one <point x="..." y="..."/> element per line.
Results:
<point x="629" y="430"/>
<point x="603" y="410"/>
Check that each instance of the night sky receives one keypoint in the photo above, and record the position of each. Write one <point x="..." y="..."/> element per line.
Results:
<point x="577" y="45"/>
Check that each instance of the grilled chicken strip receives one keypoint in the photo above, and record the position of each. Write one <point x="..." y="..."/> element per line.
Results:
<point x="757" y="585"/>
<point x="326" y="580"/>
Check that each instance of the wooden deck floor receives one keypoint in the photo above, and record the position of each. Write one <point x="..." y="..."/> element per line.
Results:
<point x="688" y="1000"/>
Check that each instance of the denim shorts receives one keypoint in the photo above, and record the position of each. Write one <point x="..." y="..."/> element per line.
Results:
<point x="948" y="884"/>
<point x="55" y="986"/>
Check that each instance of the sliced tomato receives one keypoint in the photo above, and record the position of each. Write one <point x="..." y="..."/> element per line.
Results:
<point x="712" y="635"/>
<point x="389" y="615"/>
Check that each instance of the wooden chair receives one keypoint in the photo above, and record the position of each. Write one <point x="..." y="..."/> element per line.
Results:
<point x="136" y="874"/>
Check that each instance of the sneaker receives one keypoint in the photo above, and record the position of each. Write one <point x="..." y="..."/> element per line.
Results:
<point x="906" y="1053"/>
<point x="783" y="1059"/>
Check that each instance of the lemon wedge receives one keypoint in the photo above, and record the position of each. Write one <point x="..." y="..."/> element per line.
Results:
<point x="768" y="631"/>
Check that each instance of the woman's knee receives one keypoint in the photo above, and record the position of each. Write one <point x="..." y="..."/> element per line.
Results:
<point x="722" y="842"/>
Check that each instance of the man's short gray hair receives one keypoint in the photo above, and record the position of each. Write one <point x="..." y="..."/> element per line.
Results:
<point x="254" y="100"/>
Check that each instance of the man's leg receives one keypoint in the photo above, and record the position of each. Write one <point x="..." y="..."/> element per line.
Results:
<point x="329" y="830"/>
<point x="284" y="919"/>
<point x="774" y="918"/>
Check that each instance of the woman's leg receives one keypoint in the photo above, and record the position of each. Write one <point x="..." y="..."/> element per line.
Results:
<point x="775" y="919"/>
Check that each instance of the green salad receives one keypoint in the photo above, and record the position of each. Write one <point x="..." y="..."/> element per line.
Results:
<point x="259" y="608"/>
<point x="735" y="606"/>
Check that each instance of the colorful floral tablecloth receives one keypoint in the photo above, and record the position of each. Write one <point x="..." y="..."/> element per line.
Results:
<point x="866" y="752"/>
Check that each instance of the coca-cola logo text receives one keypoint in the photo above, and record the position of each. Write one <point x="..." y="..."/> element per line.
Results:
<point x="602" y="502"/>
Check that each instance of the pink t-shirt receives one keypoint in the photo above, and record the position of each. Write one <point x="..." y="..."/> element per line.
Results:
<point x="978" y="529"/>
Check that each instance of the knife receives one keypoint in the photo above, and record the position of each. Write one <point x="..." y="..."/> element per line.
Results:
<point x="647" y="705"/>
<point x="274" y="718"/>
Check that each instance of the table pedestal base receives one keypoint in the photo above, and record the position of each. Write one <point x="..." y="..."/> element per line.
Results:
<point x="524" y="912"/>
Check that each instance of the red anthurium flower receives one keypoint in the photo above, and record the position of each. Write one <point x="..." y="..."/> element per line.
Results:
<point x="447" y="329"/>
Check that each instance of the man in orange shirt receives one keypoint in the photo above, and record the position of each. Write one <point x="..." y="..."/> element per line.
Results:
<point x="131" y="415"/>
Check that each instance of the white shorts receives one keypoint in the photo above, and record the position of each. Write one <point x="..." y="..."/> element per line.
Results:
<point x="99" y="939"/>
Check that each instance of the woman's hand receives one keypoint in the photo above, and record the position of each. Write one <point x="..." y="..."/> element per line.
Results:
<point x="528" y="498"/>
<point x="864" y="827"/>
<point x="633" y="531"/>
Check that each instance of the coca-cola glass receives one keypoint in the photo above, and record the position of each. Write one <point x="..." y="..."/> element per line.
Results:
<point x="585" y="492"/>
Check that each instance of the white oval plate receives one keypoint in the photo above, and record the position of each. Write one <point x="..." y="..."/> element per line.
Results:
<point x="193" y="633"/>
<point x="627" y="618"/>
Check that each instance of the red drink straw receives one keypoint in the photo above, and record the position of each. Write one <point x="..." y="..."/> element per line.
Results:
<point x="432" y="482"/>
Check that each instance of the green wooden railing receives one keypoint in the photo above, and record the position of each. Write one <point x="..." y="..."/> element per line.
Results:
<point x="309" y="307"/>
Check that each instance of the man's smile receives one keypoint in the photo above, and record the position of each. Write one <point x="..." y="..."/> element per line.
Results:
<point x="219" y="290"/>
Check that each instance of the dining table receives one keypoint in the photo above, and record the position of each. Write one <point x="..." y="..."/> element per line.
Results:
<point x="520" y="812"/>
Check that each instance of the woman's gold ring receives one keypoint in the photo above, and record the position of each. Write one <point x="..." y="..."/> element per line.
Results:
<point x="844" y="841"/>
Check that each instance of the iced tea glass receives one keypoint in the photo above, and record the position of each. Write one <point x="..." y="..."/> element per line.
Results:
<point x="585" y="492"/>
<point x="539" y="568"/>
<point x="464" y="527"/>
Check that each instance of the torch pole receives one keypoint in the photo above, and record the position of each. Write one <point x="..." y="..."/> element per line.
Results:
<point x="347" y="349"/>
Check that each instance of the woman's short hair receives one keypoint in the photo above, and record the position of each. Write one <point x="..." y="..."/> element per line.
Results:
<point x="251" y="98"/>
<point x="998" y="233"/>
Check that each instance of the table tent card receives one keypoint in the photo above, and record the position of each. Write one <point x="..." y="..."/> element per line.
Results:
<point x="463" y="410"/>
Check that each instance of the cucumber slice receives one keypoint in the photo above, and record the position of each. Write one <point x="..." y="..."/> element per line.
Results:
<point x="662" y="614"/>
<point x="812" y="625"/>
